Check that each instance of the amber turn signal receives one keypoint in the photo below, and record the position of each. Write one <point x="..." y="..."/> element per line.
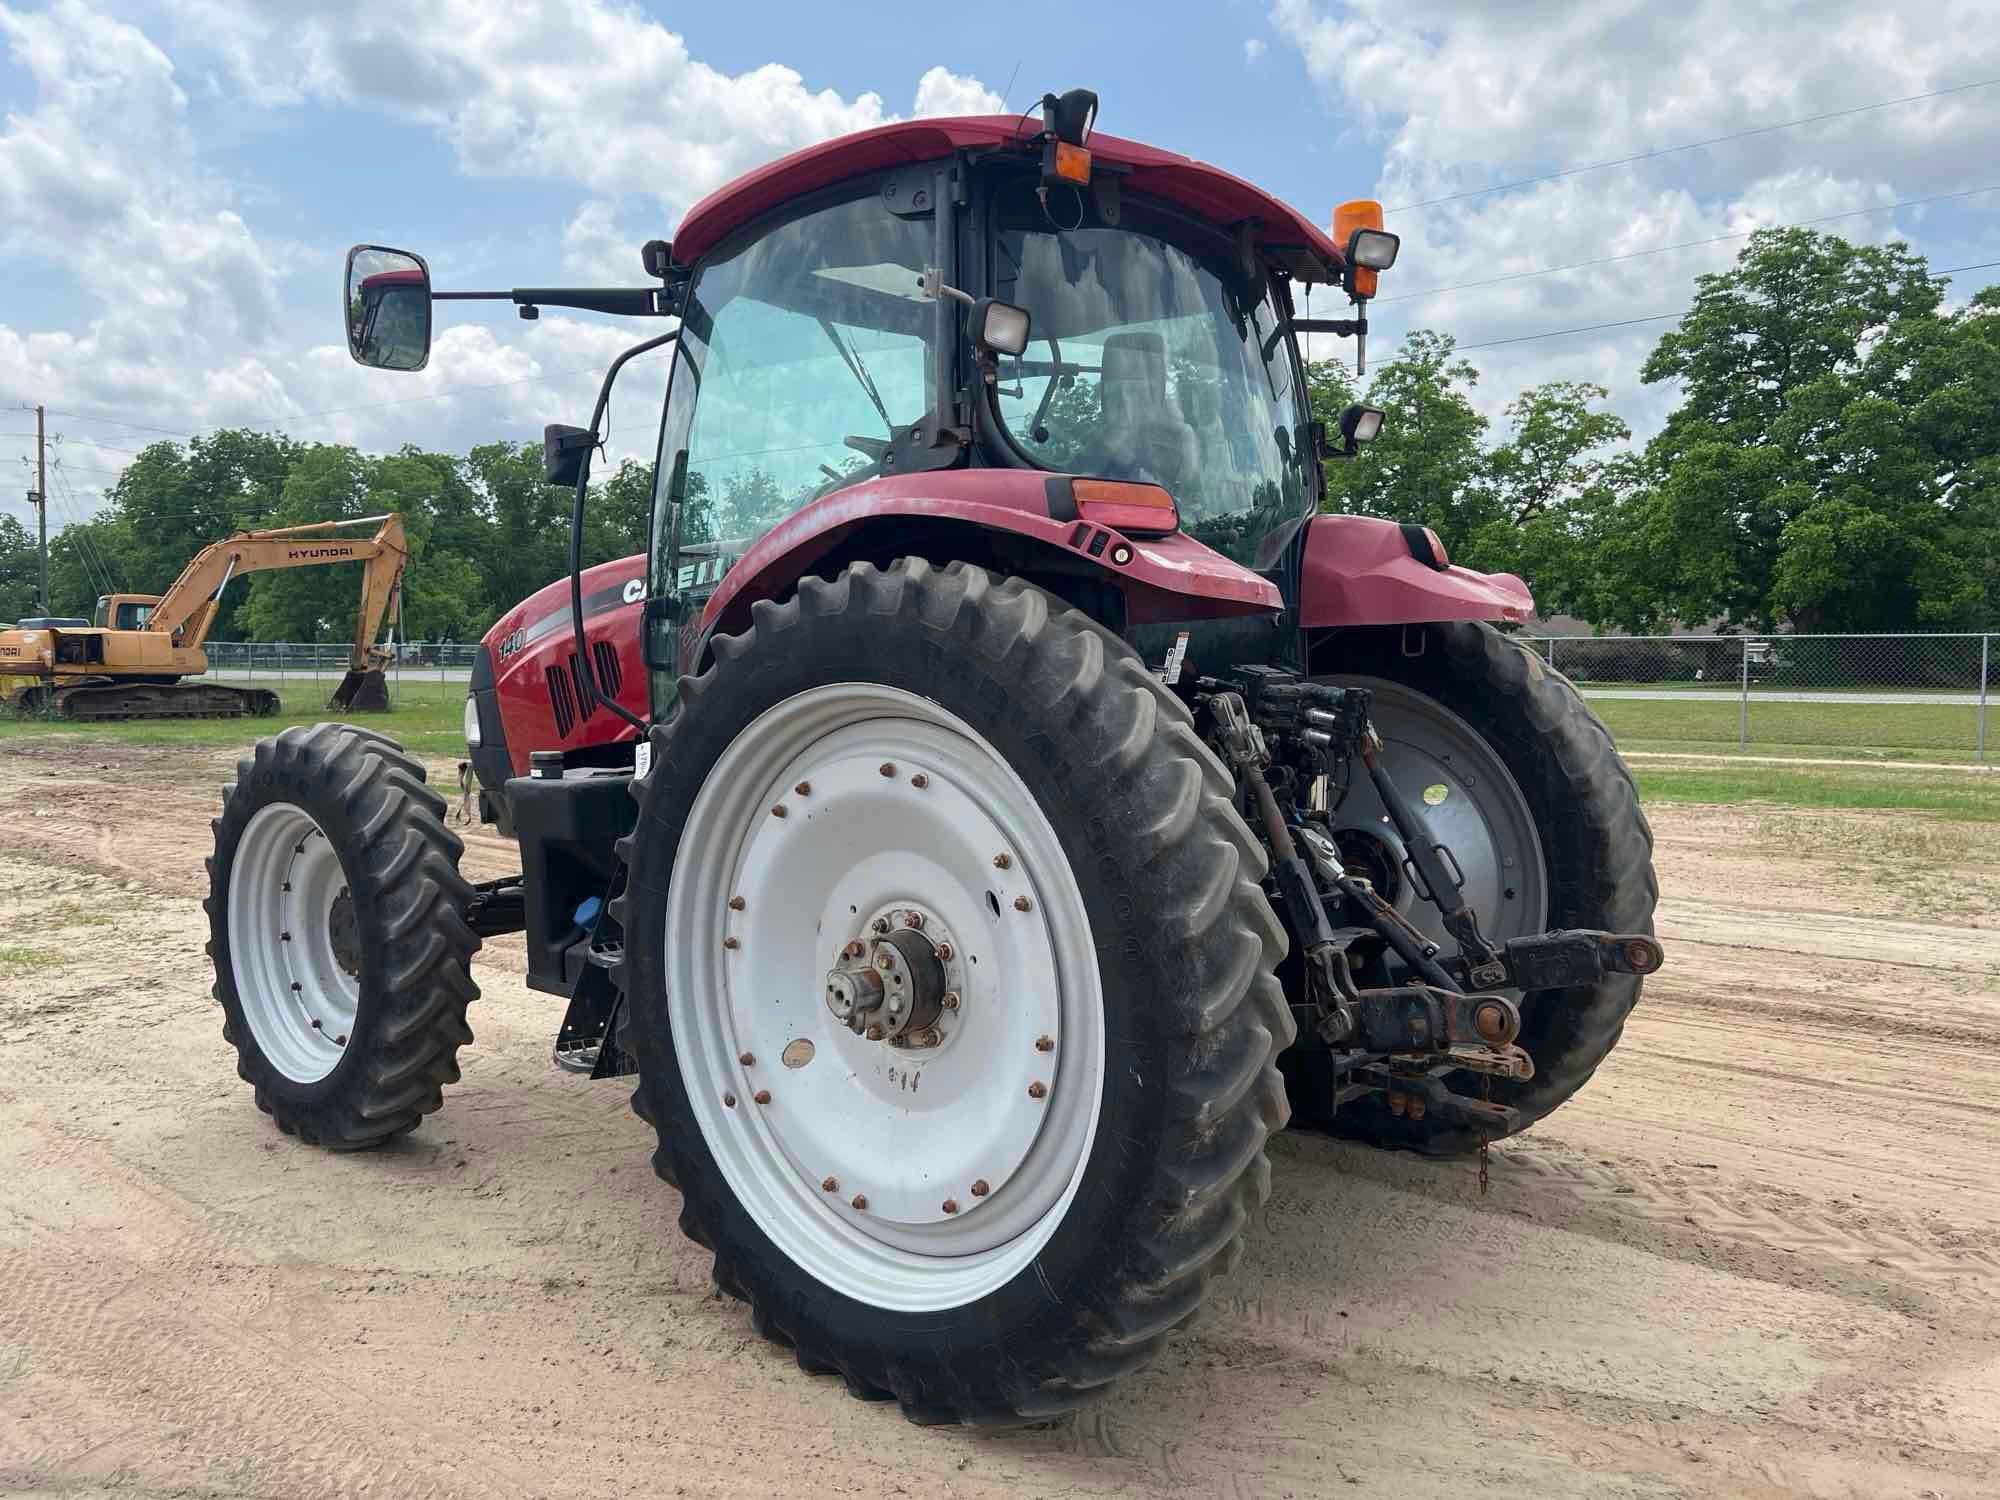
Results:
<point x="1137" y="509"/>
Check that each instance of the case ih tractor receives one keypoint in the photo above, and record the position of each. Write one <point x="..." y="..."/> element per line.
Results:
<point x="1002" y="800"/>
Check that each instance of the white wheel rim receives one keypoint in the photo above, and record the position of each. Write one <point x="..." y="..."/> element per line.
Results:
<point x="966" y="1155"/>
<point x="299" y="990"/>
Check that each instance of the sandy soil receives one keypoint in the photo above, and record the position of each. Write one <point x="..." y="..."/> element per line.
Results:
<point x="1760" y="1255"/>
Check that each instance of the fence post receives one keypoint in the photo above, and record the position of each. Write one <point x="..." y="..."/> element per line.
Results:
<point x="1985" y="656"/>
<point x="1743" y="700"/>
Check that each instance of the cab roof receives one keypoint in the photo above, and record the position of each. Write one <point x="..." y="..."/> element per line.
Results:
<point x="1286" y="236"/>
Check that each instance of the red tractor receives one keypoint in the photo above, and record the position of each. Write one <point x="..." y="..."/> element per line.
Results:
<point x="998" y="799"/>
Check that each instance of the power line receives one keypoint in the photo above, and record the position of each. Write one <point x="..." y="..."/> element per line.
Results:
<point x="1717" y="140"/>
<point x="85" y="416"/>
<point x="93" y="561"/>
<point x="1606" y="260"/>
<point x="1557" y="333"/>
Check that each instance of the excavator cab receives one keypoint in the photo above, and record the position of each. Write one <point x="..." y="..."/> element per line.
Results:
<point x="124" y="611"/>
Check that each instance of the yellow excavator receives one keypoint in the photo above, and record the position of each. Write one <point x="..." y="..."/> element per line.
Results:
<point x="130" y="662"/>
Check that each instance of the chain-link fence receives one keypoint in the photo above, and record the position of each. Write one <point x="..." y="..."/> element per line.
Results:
<point x="1865" y="697"/>
<point x="421" y="671"/>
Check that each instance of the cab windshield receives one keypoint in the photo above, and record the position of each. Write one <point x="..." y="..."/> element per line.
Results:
<point x="1153" y="359"/>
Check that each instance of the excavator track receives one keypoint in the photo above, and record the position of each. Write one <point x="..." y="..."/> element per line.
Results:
<point x="155" y="700"/>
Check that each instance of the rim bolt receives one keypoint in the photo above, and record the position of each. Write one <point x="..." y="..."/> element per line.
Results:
<point x="778" y="811"/>
<point x="315" y="1023"/>
<point x="1038" y="1090"/>
<point x="944" y="953"/>
<point x="762" y="1096"/>
<point x="920" y="781"/>
<point x="730" y="942"/>
<point x="288" y="886"/>
<point x="804" y="788"/>
<point x="298" y="989"/>
<point x="341" y="1040"/>
<point x="748" y="1059"/>
<point x="951" y="1205"/>
<point x="284" y="937"/>
<point x="860" y="1202"/>
<point x="881" y="927"/>
<point x="874" y="1033"/>
<point x="736" y="903"/>
<point x="854" y="949"/>
<point x="1002" y="861"/>
<point x="980" y="1189"/>
<point x="828" y="1185"/>
<point x="888" y="768"/>
<point x="950" y="1001"/>
<point x="1022" y="903"/>
<point x="1045" y="1044"/>
<point x="729" y="1101"/>
<point x="885" y="963"/>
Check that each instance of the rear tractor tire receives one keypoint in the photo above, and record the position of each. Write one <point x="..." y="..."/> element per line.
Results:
<point x="337" y="928"/>
<point x="1524" y="784"/>
<point x="999" y="1184"/>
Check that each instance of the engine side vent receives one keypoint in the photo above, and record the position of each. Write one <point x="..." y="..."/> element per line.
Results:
<point x="562" y="699"/>
<point x="604" y="657"/>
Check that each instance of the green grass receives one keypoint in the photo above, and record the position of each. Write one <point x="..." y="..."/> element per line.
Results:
<point x="17" y="962"/>
<point x="429" y="717"/>
<point x="1973" y="797"/>
<point x="1938" y="731"/>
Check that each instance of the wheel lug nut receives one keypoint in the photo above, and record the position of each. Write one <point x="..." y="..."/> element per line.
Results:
<point x="874" y="1033"/>
<point x="944" y="953"/>
<point x="885" y="963"/>
<point x="950" y="1001"/>
<point x="804" y="788"/>
<point x="1002" y="861"/>
<point x="980" y="1189"/>
<point x="951" y="1205"/>
<point x="888" y="768"/>
<point x="762" y="1096"/>
<point x="748" y="1059"/>
<point x="828" y="1185"/>
<point x="778" y="811"/>
<point x="1045" y="1044"/>
<point x="736" y="903"/>
<point x="920" y="781"/>
<point x="913" y="919"/>
<point x="860" y="1202"/>
<point x="853" y="950"/>
<point x="1038" y="1090"/>
<point x="881" y="927"/>
<point x="730" y="942"/>
<point x="1022" y="903"/>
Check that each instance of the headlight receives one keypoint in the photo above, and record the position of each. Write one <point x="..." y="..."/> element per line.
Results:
<point x="472" y="721"/>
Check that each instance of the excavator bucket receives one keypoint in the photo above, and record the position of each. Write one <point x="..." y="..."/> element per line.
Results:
<point x="361" y="692"/>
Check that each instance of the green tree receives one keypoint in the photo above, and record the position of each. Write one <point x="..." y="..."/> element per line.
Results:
<point x="20" y="570"/>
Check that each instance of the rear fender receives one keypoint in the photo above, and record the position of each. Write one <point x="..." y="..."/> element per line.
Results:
<point x="1360" y="570"/>
<point x="1167" y="578"/>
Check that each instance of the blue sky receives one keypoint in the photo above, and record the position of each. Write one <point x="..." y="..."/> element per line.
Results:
<point x="179" y="179"/>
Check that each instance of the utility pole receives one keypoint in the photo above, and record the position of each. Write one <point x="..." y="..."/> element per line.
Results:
<point x="42" y="497"/>
<point x="39" y="498"/>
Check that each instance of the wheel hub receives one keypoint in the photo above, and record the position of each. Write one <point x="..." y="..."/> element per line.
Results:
<point x="343" y="934"/>
<point x="898" y="987"/>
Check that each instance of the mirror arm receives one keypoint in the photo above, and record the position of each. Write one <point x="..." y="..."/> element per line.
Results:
<point x="585" y="672"/>
<point x="627" y="301"/>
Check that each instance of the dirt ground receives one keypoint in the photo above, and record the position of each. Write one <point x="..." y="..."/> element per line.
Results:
<point x="1760" y="1255"/>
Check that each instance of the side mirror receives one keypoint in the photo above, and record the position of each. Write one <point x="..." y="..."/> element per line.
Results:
<point x="388" y="308"/>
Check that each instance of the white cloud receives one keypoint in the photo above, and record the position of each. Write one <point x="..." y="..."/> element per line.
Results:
<point x="1253" y="50"/>
<point x="1464" y="98"/>
<point x="191" y="328"/>
<point x="943" y="92"/>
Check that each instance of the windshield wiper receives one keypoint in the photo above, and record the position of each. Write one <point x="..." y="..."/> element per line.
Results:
<point x="852" y="358"/>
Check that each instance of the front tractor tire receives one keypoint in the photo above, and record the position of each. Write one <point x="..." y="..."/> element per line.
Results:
<point x="953" y="990"/>
<point x="337" y="927"/>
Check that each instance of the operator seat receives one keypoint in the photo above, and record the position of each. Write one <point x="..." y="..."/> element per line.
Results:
<point x="1143" y="435"/>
